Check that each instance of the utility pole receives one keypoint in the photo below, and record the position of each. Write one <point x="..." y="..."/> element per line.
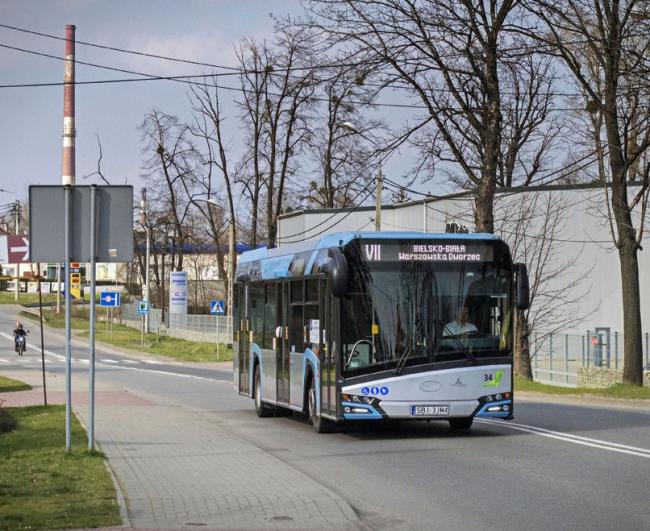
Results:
<point x="17" y="228"/>
<point x="144" y="220"/>
<point x="378" y="200"/>
<point x="68" y="180"/>
<point x="231" y="273"/>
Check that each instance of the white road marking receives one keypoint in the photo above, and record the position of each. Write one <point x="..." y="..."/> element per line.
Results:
<point x="4" y="361"/>
<point x="574" y="439"/>
<point x="114" y="365"/>
<point x="131" y="362"/>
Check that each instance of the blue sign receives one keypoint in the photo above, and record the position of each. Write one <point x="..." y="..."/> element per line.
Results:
<point x="143" y="307"/>
<point x="218" y="307"/>
<point x="109" y="299"/>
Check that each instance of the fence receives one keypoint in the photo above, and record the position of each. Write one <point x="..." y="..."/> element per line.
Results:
<point x="556" y="358"/>
<point x="212" y="328"/>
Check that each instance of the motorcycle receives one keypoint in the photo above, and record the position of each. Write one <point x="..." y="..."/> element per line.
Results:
<point x="21" y="343"/>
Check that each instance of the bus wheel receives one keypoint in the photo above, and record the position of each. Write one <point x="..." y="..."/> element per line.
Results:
<point x="320" y="424"/>
<point x="262" y="409"/>
<point x="461" y="424"/>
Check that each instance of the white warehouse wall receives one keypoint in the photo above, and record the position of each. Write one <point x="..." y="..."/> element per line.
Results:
<point x="582" y="236"/>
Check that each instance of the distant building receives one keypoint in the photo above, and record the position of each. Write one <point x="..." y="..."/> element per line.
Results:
<point x="580" y="238"/>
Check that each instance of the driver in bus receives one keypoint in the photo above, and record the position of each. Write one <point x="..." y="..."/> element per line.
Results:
<point x="461" y="325"/>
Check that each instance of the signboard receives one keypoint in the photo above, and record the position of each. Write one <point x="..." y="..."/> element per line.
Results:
<point x="217" y="307"/>
<point x="178" y="292"/>
<point x="114" y="210"/>
<point x="428" y="251"/>
<point x="143" y="307"/>
<point x="75" y="280"/>
<point x="109" y="299"/>
<point x="14" y="249"/>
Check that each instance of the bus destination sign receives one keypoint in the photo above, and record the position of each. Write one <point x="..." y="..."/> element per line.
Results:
<point x="428" y="251"/>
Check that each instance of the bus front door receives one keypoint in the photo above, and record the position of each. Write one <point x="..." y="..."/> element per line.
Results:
<point x="282" y="346"/>
<point x="244" y="343"/>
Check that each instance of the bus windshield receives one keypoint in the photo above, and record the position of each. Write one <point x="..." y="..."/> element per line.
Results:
<point x="400" y="314"/>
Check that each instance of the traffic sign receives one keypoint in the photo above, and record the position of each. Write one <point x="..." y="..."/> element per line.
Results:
<point x="109" y="299"/>
<point x="217" y="307"/>
<point x="143" y="307"/>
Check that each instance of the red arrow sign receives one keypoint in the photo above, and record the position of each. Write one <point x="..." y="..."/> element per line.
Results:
<point x="18" y="249"/>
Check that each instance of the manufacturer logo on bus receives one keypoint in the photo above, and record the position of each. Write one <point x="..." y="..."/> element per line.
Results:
<point x="430" y="386"/>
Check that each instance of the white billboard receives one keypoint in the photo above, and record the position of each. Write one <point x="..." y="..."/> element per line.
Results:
<point x="178" y="292"/>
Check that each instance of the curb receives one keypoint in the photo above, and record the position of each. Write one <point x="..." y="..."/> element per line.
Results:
<point x="119" y="493"/>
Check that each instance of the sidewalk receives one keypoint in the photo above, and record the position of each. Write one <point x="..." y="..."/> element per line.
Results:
<point x="177" y="468"/>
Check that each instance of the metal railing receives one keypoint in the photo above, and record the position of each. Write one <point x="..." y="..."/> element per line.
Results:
<point x="556" y="358"/>
<point x="211" y="328"/>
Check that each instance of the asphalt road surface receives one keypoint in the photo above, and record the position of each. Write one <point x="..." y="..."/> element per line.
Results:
<point x="581" y="464"/>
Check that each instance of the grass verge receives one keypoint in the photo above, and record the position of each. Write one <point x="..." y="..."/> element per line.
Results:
<point x="630" y="392"/>
<point x="8" y="297"/>
<point x="7" y="385"/>
<point x="41" y="487"/>
<point x="129" y="338"/>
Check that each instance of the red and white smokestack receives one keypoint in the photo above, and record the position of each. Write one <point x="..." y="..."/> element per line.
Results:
<point x="68" y="170"/>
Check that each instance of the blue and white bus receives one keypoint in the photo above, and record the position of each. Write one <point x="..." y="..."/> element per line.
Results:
<point x="379" y="325"/>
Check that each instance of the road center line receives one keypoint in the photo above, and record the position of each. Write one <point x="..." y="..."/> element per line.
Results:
<point x="575" y="439"/>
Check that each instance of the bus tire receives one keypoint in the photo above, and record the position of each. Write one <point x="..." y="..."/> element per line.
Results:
<point x="261" y="408"/>
<point x="461" y="423"/>
<point x="320" y="424"/>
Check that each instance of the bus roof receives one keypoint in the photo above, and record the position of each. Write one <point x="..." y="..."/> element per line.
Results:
<point x="276" y="262"/>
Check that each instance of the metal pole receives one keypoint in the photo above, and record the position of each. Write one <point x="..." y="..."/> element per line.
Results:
<point x="17" y="216"/>
<point x="58" y="288"/>
<point x="144" y="219"/>
<point x="147" y="278"/>
<point x="68" y="331"/>
<point x="566" y="358"/>
<point x="217" y="316"/>
<point x="93" y="288"/>
<point x="231" y="273"/>
<point x="378" y="201"/>
<point x="616" y="350"/>
<point x="40" y="315"/>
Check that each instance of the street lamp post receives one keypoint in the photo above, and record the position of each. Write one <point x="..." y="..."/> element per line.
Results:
<point x="144" y="219"/>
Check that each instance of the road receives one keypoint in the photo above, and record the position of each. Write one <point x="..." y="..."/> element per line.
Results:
<point x="558" y="465"/>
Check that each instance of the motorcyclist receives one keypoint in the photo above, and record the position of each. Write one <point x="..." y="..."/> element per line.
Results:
<point x="19" y="331"/>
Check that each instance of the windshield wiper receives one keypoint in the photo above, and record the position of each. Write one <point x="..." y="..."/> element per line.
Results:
<point x="458" y="342"/>
<point x="402" y="361"/>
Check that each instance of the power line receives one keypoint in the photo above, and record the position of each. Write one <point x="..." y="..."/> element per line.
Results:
<point x="186" y="79"/>
<point x="351" y="210"/>
<point x="241" y="71"/>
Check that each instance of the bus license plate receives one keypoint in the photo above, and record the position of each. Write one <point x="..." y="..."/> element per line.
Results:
<point x="429" y="411"/>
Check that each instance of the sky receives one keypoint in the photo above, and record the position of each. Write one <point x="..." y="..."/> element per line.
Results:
<point x="32" y="118"/>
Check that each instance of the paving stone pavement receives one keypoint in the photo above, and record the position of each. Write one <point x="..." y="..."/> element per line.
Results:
<point x="184" y="469"/>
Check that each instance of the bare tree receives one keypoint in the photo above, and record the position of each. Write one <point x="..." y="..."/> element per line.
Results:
<point x="531" y="224"/>
<point x="169" y="168"/>
<point x="340" y="137"/>
<point x="484" y="94"/>
<point x="215" y="167"/>
<point x="604" y="44"/>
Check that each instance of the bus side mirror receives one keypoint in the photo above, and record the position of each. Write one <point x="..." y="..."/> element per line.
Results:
<point x="522" y="290"/>
<point x="337" y="267"/>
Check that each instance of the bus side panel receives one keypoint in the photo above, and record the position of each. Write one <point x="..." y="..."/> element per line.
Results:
<point x="268" y="365"/>
<point x="300" y="363"/>
<point x="296" y="379"/>
<point x="235" y="362"/>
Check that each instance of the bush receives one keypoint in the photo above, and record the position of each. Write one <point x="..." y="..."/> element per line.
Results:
<point x="7" y="421"/>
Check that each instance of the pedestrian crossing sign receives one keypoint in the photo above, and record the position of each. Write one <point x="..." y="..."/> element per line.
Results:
<point x="217" y="307"/>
